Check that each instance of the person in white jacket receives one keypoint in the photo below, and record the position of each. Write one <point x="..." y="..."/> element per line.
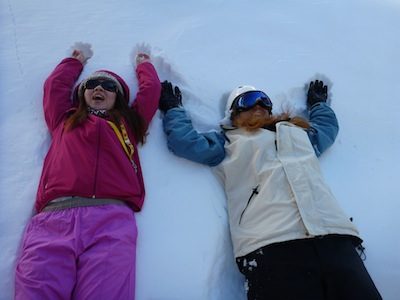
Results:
<point x="290" y="237"/>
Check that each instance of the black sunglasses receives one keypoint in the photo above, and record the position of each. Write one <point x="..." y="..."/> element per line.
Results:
<point x="108" y="85"/>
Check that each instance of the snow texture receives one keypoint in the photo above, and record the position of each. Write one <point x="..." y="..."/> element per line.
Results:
<point x="208" y="48"/>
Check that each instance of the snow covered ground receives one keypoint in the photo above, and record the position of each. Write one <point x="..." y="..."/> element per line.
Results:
<point x="209" y="47"/>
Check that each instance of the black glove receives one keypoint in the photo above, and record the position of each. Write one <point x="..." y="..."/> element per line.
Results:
<point x="317" y="92"/>
<point x="169" y="98"/>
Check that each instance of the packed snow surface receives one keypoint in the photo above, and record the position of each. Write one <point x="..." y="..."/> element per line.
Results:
<point x="208" y="48"/>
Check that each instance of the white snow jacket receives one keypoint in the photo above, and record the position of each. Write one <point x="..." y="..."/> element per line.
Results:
<point x="274" y="186"/>
<point x="275" y="189"/>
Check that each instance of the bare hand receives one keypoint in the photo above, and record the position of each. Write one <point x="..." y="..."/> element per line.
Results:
<point x="141" y="58"/>
<point x="81" y="51"/>
<point x="79" y="56"/>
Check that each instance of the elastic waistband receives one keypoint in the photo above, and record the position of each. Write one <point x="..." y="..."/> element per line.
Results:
<point x="77" y="201"/>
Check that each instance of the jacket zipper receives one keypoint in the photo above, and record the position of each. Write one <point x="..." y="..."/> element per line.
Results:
<point x="254" y="192"/>
<point x="97" y="164"/>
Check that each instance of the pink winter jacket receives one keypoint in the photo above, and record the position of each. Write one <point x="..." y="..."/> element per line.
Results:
<point x="89" y="161"/>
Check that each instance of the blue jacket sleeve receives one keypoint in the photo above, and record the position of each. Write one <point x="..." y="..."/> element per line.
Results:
<point x="324" y="127"/>
<point x="184" y="141"/>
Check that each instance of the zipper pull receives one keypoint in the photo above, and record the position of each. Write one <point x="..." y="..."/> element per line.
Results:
<point x="134" y="166"/>
<point x="255" y="192"/>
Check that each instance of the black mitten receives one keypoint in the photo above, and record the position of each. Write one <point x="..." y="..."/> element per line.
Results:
<point x="317" y="92"/>
<point x="170" y="97"/>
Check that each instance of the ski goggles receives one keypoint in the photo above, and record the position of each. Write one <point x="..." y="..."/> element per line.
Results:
<point x="108" y="85"/>
<point x="248" y="100"/>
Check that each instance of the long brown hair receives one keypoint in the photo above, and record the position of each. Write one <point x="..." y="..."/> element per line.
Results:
<point x="270" y="123"/>
<point x="121" y="110"/>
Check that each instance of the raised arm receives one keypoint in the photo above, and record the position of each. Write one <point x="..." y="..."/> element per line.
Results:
<point x="146" y="102"/>
<point x="324" y="124"/>
<point x="183" y="140"/>
<point x="58" y="86"/>
<point x="57" y="91"/>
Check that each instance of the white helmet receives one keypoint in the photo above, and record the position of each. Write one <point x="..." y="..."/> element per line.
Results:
<point x="226" y="121"/>
<point x="237" y="92"/>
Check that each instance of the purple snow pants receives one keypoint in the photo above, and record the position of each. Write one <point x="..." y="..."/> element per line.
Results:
<point x="79" y="253"/>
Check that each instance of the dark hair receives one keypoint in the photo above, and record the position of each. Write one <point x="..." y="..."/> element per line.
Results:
<point x="120" y="111"/>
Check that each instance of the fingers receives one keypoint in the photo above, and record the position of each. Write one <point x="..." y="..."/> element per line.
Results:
<point x="321" y="88"/>
<point x="165" y="84"/>
<point x="75" y="53"/>
<point x="311" y="87"/>
<point x="178" y="93"/>
<point x="318" y="86"/>
<point x="141" y="58"/>
<point x="167" y="88"/>
<point x="82" y="51"/>
<point x="79" y="55"/>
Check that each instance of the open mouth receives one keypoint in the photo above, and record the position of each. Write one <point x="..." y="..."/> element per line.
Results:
<point x="98" y="97"/>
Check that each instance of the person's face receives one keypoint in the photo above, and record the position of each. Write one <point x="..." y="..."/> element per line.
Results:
<point x="98" y="97"/>
<point x="257" y="112"/>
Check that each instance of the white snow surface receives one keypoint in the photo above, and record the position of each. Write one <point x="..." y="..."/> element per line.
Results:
<point x="209" y="47"/>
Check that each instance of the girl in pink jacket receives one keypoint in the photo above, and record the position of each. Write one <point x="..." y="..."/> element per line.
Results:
<point x="82" y="242"/>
